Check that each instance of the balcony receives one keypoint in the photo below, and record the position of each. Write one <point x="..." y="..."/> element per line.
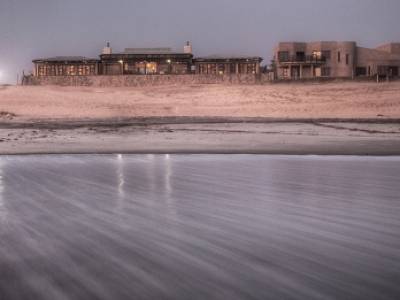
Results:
<point x="302" y="59"/>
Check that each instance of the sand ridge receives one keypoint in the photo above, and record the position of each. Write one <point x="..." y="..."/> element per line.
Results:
<point x="328" y="100"/>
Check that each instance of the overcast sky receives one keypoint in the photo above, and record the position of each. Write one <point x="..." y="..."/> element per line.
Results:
<point x="40" y="28"/>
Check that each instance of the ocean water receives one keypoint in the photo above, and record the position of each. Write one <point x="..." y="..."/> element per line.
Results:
<point x="199" y="227"/>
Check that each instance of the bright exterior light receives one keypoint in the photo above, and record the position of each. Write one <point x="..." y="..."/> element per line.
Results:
<point x="121" y="61"/>
<point x="168" y="61"/>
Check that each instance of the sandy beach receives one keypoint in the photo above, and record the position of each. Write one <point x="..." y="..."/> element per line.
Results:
<point x="330" y="118"/>
<point x="299" y="100"/>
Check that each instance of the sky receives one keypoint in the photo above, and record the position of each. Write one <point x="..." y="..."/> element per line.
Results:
<point x="43" y="28"/>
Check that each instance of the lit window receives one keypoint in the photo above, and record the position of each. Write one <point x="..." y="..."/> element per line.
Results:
<point x="317" y="54"/>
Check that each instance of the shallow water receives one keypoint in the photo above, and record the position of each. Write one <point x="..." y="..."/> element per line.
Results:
<point x="199" y="227"/>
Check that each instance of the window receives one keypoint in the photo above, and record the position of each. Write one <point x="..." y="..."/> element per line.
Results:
<point x="242" y="68"/>
<point x="326" y="54"/>
<point x="316" y="54"/>
<point x="163" y="68"/>
<point x="338" y="56"/>
<point x="80" y="70"/>
<point x="202" y="69"/>
<point x="179" y="68"/>
<point x="347" y="59"/>
<point x="300" y="56"/>
<point x="221" y="69"/>
<point x="71" y="70"/>
<point x="283" y="56"/>
<point x="285" y="72"/>
<point x="383" y="70"/>
<point x="233" y="68"/>
<point x="41" y="71"/>
<point x="394" y="71"/>
<point x="211" y="69"/>
<point x="60" y="70"/>
<point x="47" y="70"/>
<point x="326" y="72"/>
<point x="361" y="71"/>
<point x="52" y="70"/>
<point x="251" y="68"/>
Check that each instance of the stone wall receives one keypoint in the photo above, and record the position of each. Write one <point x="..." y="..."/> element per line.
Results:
<point x="145" y="80"/>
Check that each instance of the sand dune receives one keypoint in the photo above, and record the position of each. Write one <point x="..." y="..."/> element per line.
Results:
<point x="330" y="100"/>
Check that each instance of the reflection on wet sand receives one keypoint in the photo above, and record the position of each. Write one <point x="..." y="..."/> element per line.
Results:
<point x="199" y="227"/>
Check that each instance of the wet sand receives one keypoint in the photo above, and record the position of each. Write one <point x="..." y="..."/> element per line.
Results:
<point x="199" y="227"/>
<point x="203" y="135"/>
<point x="332" y="118"/>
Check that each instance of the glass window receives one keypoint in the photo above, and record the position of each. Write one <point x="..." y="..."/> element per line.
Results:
<point x="283" y="56"/>
<point x="361" y="71"/>
<point x="317" y="54"/>
<point x="326" y="71"/>
<point x="71" y="70"/>
<point x="221" y="69"/>
<point x="42" y="71"/>
<point x="211" y="69"/>
<point x="251" y="68"/>
<point x="60" y="70"/>
<point x="232" y="68"/>
<point x="285" y="72"/>
<point x="326" y="54"/>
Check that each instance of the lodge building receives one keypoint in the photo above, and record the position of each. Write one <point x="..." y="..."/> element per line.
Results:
<point x="227" y="65"/>
<point x="66" y="66"/>
<point x="145" y="61"/>
<point x="298" y="60"/>
<point x="292" y="60"/>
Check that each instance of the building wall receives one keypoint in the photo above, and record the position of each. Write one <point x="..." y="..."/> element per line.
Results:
<point x="334" y="66"/>
<point x="63" y="69"/>
<point x="346" y="60"/>
<point x="343" y="67"/>
<point x="227" y="68"/>
<point x="375" y="61"/>
<point x="144" y="80"/>
<point x="393" y="48"/>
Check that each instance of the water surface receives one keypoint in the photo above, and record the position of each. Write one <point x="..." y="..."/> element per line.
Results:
<point x="199" y="227"/>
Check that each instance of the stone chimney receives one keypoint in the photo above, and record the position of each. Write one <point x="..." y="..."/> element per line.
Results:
<point x="187" y="49"/>
<point x="107" y="49"/>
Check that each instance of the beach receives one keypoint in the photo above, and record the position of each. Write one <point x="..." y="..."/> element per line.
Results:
<point x="347" y="118"/>
<point x="199" y="227"/>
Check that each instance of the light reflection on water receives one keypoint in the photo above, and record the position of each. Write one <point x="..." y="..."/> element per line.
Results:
<point x="199" y="227"/>
<point x="2" y="207"/>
